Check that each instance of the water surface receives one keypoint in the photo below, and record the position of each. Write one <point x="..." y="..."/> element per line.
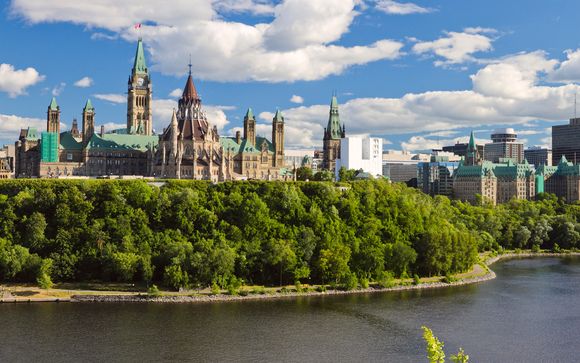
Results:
<point x="530" y="313"/>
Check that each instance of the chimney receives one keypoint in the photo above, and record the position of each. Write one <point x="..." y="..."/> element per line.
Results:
<point x="102" y="130"/>
<point x="238" y="137"/>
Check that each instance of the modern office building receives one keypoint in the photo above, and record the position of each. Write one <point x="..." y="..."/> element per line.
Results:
<point x="361" y="154"/>
<point x="504" y="145"/>
<point x="436" y="176"/>
<point x="538" y="156"/>
<point x="566" y="142"/>
<point x="401" y="166"/>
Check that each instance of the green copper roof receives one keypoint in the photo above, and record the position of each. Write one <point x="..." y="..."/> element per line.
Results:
<point x="53" y="106"/>
<point x="333" y="127"/>
<point x="475" y="170"/>
<point x="139" y="65"/>
<point x="230" y="144"/>
<point x="122" y="142"/>
<point x="278" y="117"/>
<point x="32" y="134"/>
<point x="68" y="142"/>
<point x="250" y="114"/>
<point x="89" y="106"/>
<point x="471" y="145"/>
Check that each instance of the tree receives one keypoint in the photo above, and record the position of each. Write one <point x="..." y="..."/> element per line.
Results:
<point x="323" y="175"/>
<point x="435" y="352"/>
<point x="334" y="262"/>
<point x="345" y="175"/>
<point x="304" y="173"/>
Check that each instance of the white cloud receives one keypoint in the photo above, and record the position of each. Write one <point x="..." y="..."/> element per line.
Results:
<point x="111" y="97"/>
<point x="58" y="89"/>
<point x="456" y="47"/>
<point x="84" y="82"/>
<point x="397" y="8"/>
<point x="420" y="143"/>
<point x="176" y="93"/>
<point x="296" y="45"/>
<point x="569" y="70"/>
<point x="507" y="92"/>
<point x="256" y="7"/>
<point x="10" y="125"/>
<point x="16" y="81"/>
<point x="296" y="99"/>
<point x="110" y="126"/>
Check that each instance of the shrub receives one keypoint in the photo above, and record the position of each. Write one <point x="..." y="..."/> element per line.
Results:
<point x="153" y="291"/>
<point x="556" y="248"/>
<point x="321" y="288"/>
<point x="234" y="285"/>
<point x="215" y="288"/>
<point x="448" y="279"/>
<point x="364" y="282"/>
<point x="298" y="286"/>
<point x="416" y="279"/>
<point x="350" y="282"/>
<point x="43" y="279"/>
<point x="386" y="279"/>
<point x="259" y="290"/>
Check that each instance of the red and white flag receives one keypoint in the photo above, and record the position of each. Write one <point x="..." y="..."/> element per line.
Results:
<point x="138" y="26"/>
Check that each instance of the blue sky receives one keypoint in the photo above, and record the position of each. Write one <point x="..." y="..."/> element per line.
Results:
<point x="417" y="73"/>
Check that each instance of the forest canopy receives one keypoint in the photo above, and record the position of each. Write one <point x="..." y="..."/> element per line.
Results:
<point x="195" y="234"/>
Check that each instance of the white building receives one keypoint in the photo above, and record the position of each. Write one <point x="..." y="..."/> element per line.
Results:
<point x="361" y="153"/>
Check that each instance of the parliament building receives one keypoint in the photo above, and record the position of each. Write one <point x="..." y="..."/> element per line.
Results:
<point x="190" y="147"/>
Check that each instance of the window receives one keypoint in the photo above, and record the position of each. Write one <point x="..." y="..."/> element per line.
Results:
<point x="69" y="156"/>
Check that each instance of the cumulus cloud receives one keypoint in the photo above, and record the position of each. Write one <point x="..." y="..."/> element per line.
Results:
<point x="163" y="109"/>
<point x="456" y="47"/>
<point x="84" y="82"/>
<point x="296" y="45"/>
<point x="569" y="70"/>
<point x="519" y="101"/>
<point x="16" y="81"/>
<point x="256" y="7"/>
<point x="176" y="93"/>
<point x="296" y="99"/>
<point x="10" y="125"/>
<point x="398" y="8"/>
<point x="111" y="97"/>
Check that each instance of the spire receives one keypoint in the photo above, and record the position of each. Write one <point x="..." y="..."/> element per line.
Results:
<point x="189" y="92"/>
<point x="174" y="119"/>
<point x="278" y="117"/>
<point x="53" y="106"/>
<point x="471" y="146"/>
<point x="89" y="106"/>
<point x="139" y="65"/>
<point x="250" y="114"/>
<point x="333" y="128"/>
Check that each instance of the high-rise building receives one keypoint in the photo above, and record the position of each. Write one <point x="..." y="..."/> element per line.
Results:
<point x="566" y="142"/>
<point x="504" y="146"/>
<point x="361" y="154"/>
<point x="538" y="156"/>
<point x="436" y="176"/>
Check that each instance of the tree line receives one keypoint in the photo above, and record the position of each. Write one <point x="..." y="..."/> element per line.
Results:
<point x="197" y="234"/>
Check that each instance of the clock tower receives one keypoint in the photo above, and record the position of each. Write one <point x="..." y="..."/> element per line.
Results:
<point x="139" y="118"/>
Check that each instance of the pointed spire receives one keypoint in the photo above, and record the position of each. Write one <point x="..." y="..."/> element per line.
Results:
<point x="53" y="106"/>
<point x="139" y="65"/>
<point x="174" y="119"/>
<point x="471" y="146"/>
<point x="278" y="117"/>
<point x="189" y="91"/>
<point x="250" y="114"/>
<point x="333" y="128"/>
<point x="89" y="106"/>
<point x="563" y="160"/>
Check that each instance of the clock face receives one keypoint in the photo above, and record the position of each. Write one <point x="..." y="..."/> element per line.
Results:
<point x="140" y="81"/>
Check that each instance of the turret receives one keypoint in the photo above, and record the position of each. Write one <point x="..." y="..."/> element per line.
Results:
<point x="278" y="138"/>
<point x="53" y="118"/>
<point x="472" y="156"/>
<point x="88" y="121"/>
<point x="250" y="127"/>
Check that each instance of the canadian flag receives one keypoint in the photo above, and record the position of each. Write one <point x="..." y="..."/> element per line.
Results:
<point x="138" y="25"/>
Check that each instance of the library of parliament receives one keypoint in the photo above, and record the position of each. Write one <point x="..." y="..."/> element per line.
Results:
<point x="190" y="147"/>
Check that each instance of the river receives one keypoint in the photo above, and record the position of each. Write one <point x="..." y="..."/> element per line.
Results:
<point x="530" y="313"/>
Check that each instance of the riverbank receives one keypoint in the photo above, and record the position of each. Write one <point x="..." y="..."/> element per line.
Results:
<point x="479" y="273"/>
